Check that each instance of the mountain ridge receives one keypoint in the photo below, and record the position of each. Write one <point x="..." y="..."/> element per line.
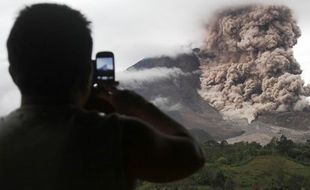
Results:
<point x="176" y="92"/>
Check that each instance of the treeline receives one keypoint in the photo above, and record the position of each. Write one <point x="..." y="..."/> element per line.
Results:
<point x="248" y="166"/>
<point x="239" y="153"/>
<point x="221" y="155"/>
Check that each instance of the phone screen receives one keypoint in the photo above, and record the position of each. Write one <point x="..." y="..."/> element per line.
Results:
<point x="105" y="68"/>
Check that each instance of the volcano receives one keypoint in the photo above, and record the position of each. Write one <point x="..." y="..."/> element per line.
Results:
<point x="176" y="92"/>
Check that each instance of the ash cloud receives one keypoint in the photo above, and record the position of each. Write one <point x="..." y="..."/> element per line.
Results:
<point x="253" y="69"/>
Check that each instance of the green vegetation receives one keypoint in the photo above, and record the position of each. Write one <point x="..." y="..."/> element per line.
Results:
<point x="281" y="164"/>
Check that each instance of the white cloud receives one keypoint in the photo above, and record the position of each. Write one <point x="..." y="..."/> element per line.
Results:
<point x="137" y="78"/>
<point x="165" y="104"/>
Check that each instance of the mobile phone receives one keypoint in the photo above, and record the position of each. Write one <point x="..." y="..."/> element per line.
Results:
<point x="105" y="67"/>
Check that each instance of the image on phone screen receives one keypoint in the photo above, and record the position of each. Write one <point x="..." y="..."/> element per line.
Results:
<point x="105" y="68"/>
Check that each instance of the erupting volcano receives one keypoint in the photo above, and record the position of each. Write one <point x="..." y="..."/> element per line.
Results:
<point x="252" y="68"/>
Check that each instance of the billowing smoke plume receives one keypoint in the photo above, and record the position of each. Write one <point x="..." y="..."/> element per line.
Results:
<point x="250" y="67"/>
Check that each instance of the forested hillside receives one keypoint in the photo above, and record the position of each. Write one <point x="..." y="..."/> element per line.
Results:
<point x="281" y="164"/>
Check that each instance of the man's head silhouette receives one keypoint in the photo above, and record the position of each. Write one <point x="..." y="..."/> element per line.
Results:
<point x="49" y="50"/>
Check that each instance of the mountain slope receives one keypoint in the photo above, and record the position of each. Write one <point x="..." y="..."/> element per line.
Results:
<point x="179" y="93"/>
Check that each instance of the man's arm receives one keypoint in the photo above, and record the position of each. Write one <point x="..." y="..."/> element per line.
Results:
<point x="158" y="157"/>
<point x="158" y="148"/>
<point x="131" y="104"/>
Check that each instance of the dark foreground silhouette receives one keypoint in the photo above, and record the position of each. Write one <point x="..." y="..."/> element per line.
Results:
<point x="58" y="138"/>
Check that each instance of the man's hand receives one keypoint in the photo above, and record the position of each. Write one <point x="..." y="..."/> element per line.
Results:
<point x="98" y="100"/>
<point x="107" y="98"/>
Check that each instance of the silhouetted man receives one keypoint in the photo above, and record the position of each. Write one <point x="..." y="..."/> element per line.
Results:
<point x="52" y="142"/>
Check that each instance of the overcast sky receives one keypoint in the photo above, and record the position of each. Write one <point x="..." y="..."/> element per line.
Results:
<point x="134" y="29"/>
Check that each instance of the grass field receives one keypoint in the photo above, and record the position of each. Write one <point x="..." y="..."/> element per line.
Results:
<point x="267" y="172"/>
<point x="261" y="172"/>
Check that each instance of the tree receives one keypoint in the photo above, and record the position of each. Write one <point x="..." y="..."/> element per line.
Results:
<point x="284" y="145"/>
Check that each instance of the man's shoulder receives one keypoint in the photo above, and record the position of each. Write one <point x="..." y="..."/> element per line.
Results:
<point x="45" y="116"/>
<point x="9" y="118"/>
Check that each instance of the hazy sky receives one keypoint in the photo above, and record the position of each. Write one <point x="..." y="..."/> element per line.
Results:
<point x="134" y="29"/>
